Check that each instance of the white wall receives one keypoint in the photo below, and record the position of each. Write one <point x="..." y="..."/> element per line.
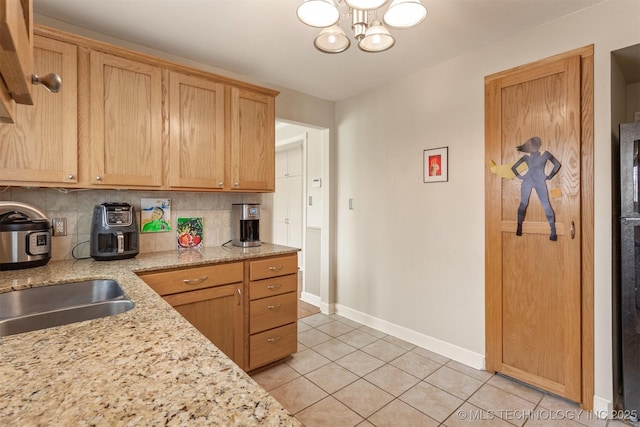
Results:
<point x="411" y="255"/>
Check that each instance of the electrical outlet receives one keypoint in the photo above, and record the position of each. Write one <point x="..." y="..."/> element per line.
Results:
<point x="350" y="204"/>
<point x="59" y="226"/>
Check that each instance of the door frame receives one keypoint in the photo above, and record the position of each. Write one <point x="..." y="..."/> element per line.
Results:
<point x="327" y="297"/>
<point x="587" y="218"/>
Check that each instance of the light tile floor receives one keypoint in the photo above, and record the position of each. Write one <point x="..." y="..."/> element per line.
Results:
<point x="346" y="374"/>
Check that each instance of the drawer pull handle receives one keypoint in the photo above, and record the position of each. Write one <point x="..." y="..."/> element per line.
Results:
<point x="274" y="307"/>
<point x="195" y="281"/>
<point x="278" y="268"/>
<point x="273" y="340"/>
<point x="273" y="287"/>
<point x="239" y="296"/>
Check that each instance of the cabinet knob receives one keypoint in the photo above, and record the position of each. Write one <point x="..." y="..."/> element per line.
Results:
<point x="98" y="178"/>
<point x="70" y="176"/>
<point x="221" y="184"/>
<point x="51" y="81"/>
<point x="237" y="184"/>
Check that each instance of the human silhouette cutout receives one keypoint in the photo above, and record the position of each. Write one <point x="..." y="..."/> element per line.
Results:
<point x="535" y="178"/>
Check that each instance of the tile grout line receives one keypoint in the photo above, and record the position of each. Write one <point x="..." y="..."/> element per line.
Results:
<point x="315" y="325"/>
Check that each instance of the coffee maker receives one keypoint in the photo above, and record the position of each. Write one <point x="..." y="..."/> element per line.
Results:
<point x="245" y="224"/>
<point x="114" y="232"/>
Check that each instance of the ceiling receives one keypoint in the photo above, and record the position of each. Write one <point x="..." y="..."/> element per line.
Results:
<point x="263" y="39"/>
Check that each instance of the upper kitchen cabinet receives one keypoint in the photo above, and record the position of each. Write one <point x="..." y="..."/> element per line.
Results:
<point x="133" y="121"/>
<point x="42" y="146"/>
<point x="125" y="122"/>
<point x="16" y="56"/>
<point x="196" y="129"/>
<point x="252" y="139"/>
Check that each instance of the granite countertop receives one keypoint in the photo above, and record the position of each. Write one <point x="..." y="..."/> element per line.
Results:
<point x="147" y="366"/>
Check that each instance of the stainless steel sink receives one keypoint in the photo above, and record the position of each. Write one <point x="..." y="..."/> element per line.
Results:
<point x="47" y="306"/>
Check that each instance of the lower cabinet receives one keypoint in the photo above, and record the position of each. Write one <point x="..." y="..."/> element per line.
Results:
<point x="213" y="299"/>
<point x="210" y="298"/>
<point x="213" y="311"/>
<point x="273" y="309"/>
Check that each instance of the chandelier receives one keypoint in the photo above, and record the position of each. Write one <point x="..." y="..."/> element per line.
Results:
<point x="371" y="36"/>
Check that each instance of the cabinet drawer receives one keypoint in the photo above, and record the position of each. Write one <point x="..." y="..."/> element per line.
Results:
<point x="189" y="279"/>
<point x="272" y="345"/>
<point x="272" y="267"/>
<point x="275" y="286"/>
<point x="267" y="313"/>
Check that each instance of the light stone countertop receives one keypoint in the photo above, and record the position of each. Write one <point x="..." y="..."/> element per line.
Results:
<point x="147" y="366"/>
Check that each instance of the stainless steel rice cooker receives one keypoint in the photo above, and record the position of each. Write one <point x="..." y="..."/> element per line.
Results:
<point x="25" y="236"/>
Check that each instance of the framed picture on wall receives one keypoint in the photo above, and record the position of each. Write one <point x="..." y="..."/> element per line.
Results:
<point x="155" y="215"/>
<point x="435" y="165"/>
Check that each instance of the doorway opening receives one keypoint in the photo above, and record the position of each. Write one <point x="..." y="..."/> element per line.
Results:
<point x="301" y="207"/>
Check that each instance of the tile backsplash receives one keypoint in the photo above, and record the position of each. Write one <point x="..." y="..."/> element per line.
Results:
<point x="77" y="207"/>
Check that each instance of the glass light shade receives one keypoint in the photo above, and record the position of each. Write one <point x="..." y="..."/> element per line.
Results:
<point x="365" y="4"/>
<point x="376" y="39"/>
<point x="405" y="13"/>
<point x="318" y="13"/>
<point x="332" y="40"/>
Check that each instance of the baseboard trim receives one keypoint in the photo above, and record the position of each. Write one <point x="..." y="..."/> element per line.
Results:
<point x="310" y="299"/>
<point x="452" y="351"/>
<point x="602" y="407"/>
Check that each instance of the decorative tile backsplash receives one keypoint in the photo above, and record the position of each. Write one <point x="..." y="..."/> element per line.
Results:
<point x="77" y="207"/>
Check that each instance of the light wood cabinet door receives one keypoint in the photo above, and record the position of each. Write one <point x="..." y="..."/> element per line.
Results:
<point x="16" y="56"/>
<point x="252" y="141"/>
<point x="42" y="146"/>
<point x="125" y="122"/>
<point x="196" y="113"/>
<point x="217" y="313"/>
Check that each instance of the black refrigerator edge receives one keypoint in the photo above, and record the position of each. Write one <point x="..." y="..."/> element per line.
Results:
<point x="629" y="264"/>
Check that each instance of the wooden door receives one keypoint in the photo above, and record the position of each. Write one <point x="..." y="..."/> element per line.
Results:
<point x="125" y="122"/>
<point x="534" y="284"/>
<point x="196" y="114"/>
<point x="217" y="313"/>
<point x="252" y="141"/>
<point x="42" y="146"/>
